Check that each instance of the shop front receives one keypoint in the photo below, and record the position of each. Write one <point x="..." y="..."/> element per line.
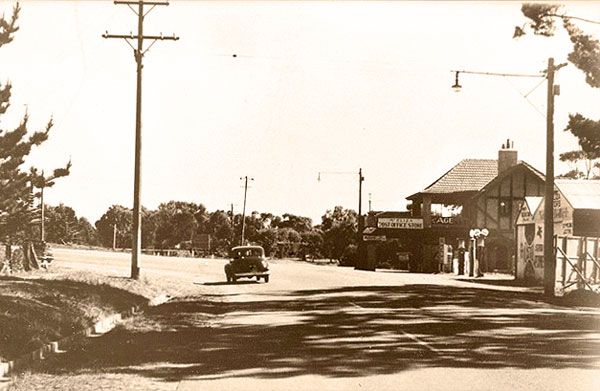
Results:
<point x="576" y="216"/>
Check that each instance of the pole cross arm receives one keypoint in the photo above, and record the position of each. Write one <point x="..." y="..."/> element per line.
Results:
<point x="132" y="36"/>
<point x="138" y="2"/>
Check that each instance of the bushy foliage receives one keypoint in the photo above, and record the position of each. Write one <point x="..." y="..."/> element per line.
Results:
<point x="63" y="226"/>
<point x="585" y="56"/>
<point x="339" y="228"/>
<point x="115" y="223"/>
<point x="541" y="23"/>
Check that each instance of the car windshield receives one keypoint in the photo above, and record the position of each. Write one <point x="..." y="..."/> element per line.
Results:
<point x="248" y="252"/>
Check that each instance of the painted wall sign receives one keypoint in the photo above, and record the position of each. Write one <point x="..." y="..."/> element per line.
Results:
<point x="442" y="220"/>
<point x="399" y="223"/>
<point x="526" y="215"/>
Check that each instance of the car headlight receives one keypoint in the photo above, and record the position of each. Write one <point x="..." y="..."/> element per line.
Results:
<point x="264" y="264"/>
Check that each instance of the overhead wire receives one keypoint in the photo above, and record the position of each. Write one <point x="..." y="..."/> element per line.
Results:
<point x="526" y="96"/>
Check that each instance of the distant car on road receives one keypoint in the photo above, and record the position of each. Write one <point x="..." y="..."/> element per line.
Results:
<point x="247" y="262"/>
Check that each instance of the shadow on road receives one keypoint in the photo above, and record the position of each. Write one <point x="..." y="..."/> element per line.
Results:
<point x="217" y="283"/>
<point x="343" y="332"/>
<point x="500" y="282"/>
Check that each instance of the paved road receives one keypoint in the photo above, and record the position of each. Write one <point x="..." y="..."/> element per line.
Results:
<point x="324" y="327"/>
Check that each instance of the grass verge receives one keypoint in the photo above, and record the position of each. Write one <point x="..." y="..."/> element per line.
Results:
<point x="41" y="307"/>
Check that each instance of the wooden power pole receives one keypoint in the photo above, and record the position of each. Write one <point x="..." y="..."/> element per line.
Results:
<point x="549" y="254"/>
<point x="138" y="52"/>
<point x="245" y="178"/>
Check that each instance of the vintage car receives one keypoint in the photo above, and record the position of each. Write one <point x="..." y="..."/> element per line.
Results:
<point x="247" y="262"/>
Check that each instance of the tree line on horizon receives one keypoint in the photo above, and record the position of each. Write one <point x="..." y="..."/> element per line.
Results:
<point x="175" y="222"/>
<point x="180" y="225"/>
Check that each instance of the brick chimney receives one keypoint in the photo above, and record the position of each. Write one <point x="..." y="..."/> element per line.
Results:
<point x="507" y="156"/>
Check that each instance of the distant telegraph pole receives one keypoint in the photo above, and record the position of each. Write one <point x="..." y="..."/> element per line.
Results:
<point x="114" y="237"/>
<point x="244" y="209"/>
<point x="359" y="233"/>
<point x="138" y="54"/>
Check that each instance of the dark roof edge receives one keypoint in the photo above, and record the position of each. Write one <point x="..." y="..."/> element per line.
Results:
<point x="508" y="171"/>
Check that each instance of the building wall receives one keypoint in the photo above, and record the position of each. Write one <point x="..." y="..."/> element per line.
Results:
<point x="497" y="209"/>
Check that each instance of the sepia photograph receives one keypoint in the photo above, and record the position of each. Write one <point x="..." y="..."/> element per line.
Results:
<point x="299" y="195"/>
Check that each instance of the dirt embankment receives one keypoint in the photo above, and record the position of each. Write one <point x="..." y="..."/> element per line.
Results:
<point x="41" y="307"/>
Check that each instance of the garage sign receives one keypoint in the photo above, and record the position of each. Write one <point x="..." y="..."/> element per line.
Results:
<point x="399" y="223"/>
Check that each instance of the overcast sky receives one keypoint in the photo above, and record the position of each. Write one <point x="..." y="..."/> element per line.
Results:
<point x="315" y="86"/>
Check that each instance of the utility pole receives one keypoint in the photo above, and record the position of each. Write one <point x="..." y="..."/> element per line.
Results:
<point x="41" y="182"/>
<point x="42" y="226"/>
<point x="361" y="262"/>
<point x="114" y="237"/>
<point x="549" y="252"/>
<point x="245" y="178"/>
<point x="232" y="226"/>
<point x="138" y="54"/>
<point x="369" y="202"/>
<point x="361" y="178"/>
<point x="549" y="255"/>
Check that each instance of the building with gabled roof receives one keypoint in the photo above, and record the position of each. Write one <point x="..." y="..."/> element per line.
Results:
<point x="475" y="193"/>
<point x="496" y="208"/>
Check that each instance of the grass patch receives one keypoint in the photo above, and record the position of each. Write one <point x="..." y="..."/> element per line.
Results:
<point x="40" y="307"/>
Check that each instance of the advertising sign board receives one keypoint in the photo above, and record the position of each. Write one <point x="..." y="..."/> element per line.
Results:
<point x="399" y="223"/>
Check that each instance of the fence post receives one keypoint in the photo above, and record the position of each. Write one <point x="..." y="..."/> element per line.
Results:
<point x="579" y="262"/>
<point x="585" y="256"/>
<point x="564" y="260"/>
<point x="597" y="258"/>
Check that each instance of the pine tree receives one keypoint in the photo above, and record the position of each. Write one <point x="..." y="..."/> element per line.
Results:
<point x="585" y="56"/>
<point x="17" y="196"/>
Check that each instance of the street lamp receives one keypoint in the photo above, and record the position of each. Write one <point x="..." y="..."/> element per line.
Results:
<point x="549" y="257"/>
<point x="456" y="87"/>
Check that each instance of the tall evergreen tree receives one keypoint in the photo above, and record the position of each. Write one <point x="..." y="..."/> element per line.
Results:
<point x="585" y="56"/>
<point x="16" y="184"/>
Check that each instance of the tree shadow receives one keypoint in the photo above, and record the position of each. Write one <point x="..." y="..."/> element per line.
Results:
<point x="343" y="332"/>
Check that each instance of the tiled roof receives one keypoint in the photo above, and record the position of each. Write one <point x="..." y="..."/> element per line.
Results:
<point x="581" y="193"/>
<point x="468" y="175"/>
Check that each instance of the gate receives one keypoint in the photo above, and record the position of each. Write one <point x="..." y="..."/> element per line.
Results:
<point x="577" y="263"/>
